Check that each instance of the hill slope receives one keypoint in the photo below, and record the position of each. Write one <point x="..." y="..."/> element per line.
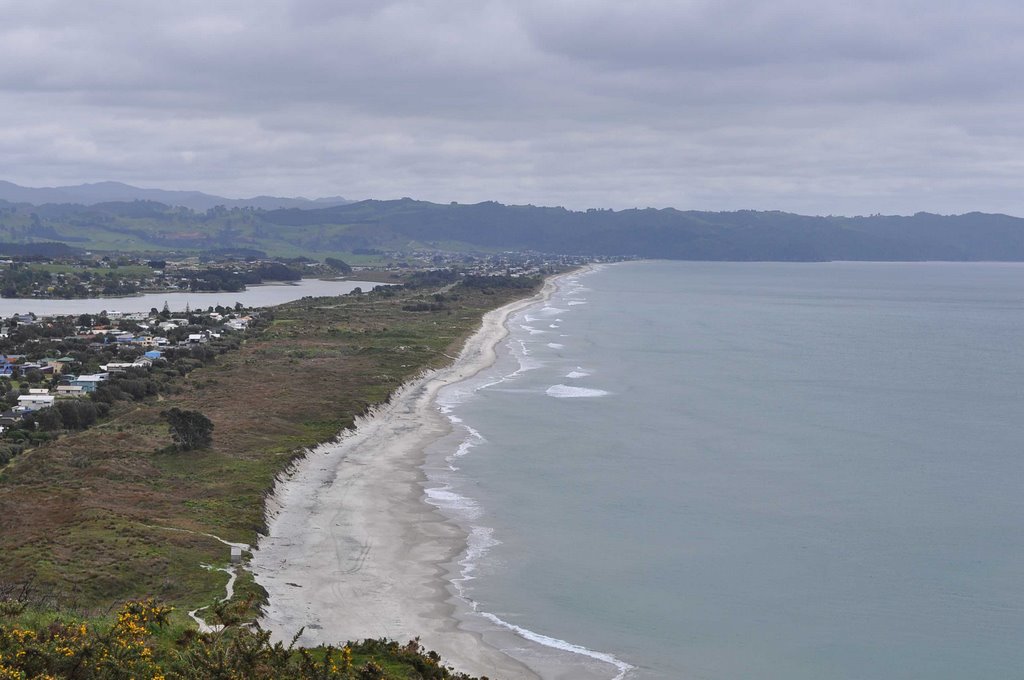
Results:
<point x="104" y="192"/>
<point x="405" y="225"/>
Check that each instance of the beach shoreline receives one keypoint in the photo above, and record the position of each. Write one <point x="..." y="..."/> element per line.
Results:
<point x="353" y="549"/>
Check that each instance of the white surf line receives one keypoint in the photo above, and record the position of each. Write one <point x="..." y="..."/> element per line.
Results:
<point x="623" y="667"/>
<point x="467" y="564"/>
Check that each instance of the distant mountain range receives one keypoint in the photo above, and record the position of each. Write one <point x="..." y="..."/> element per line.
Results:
<point x="742" y="235"/>
<point x="400" y="226"/>
<point x="105" y="192"/>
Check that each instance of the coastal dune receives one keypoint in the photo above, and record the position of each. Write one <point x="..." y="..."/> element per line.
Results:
<point x="354" y="551"/>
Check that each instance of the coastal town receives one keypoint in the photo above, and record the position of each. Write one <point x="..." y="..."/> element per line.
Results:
<point x="89" y="275"/>
<point x="64" y="372"/>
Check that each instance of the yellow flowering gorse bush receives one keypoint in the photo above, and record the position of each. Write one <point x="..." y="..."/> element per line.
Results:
<point x="75" y="650"/>
<point x="129" y="649"/>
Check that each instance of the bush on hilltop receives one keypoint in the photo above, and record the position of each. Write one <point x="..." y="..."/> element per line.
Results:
<point x="143" y="643"/>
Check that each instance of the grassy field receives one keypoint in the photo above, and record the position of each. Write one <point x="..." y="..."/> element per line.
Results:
<point x="109" y="514"/>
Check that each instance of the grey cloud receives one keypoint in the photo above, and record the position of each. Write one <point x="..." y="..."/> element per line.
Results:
<point x="816" y="106"/>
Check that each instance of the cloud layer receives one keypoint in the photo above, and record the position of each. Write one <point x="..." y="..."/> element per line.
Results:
<point x="817" y="107"/>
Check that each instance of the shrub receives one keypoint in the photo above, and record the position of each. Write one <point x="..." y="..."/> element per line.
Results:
<point x="189" y="429"/>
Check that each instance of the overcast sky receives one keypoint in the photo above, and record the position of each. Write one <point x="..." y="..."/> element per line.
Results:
<point x="810" y="106"/>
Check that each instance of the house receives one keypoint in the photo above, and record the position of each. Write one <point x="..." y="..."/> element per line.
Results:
<point x="34" y="365"/>
<point x="88" y="383"/>
<point x="122" y="366"/>
<point x="196" y="337"/>
<point x="9" y="418"/>
<point x="239" y="324"/>
<point x="70" y="391"/>
<point x="35" y="402"/>
<point x="59" y="365"/>
<point x="153" y="354"/>
<point x="116" y="366"/>
<point x="9" y="362"/>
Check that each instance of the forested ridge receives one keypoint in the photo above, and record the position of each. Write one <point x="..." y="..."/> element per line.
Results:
<point x="406" y="225"/>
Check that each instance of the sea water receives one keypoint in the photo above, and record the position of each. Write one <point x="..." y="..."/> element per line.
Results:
<point x="760" y="470"/>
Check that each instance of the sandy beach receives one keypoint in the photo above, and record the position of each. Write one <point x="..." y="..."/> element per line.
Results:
<point x="354" y="551"/>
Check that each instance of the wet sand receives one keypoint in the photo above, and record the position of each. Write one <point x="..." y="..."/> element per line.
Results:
<point x="353" y="549"/>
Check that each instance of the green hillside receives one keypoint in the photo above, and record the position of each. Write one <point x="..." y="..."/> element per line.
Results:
<point x="406" y="225"/>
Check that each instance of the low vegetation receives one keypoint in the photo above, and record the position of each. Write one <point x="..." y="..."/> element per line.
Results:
<point x="140" y="641"/>
<point x="125" y="511"/>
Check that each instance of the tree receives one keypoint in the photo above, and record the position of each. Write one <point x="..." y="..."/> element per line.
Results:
<point x="49" y="419"/>
<point x="189" y="429"/>
<point x="338" y="265"/>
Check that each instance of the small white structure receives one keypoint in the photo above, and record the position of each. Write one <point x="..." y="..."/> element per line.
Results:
<point x="116" y="366"/>
<point x="236" y="554"/>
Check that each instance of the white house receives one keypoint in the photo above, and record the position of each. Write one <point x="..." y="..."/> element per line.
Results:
<point x="35" y="402"/>
<point x="116" y="366"/>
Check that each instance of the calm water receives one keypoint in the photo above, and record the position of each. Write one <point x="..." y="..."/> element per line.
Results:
<point x="253" y="296"/>
<point x="721" y="471"/>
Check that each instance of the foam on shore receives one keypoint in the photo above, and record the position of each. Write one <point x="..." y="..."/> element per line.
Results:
<point x="357" y="545"/>
<point x="572" y="392"/>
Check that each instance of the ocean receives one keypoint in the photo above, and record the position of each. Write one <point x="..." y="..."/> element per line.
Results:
<point x="751" y="470"/>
